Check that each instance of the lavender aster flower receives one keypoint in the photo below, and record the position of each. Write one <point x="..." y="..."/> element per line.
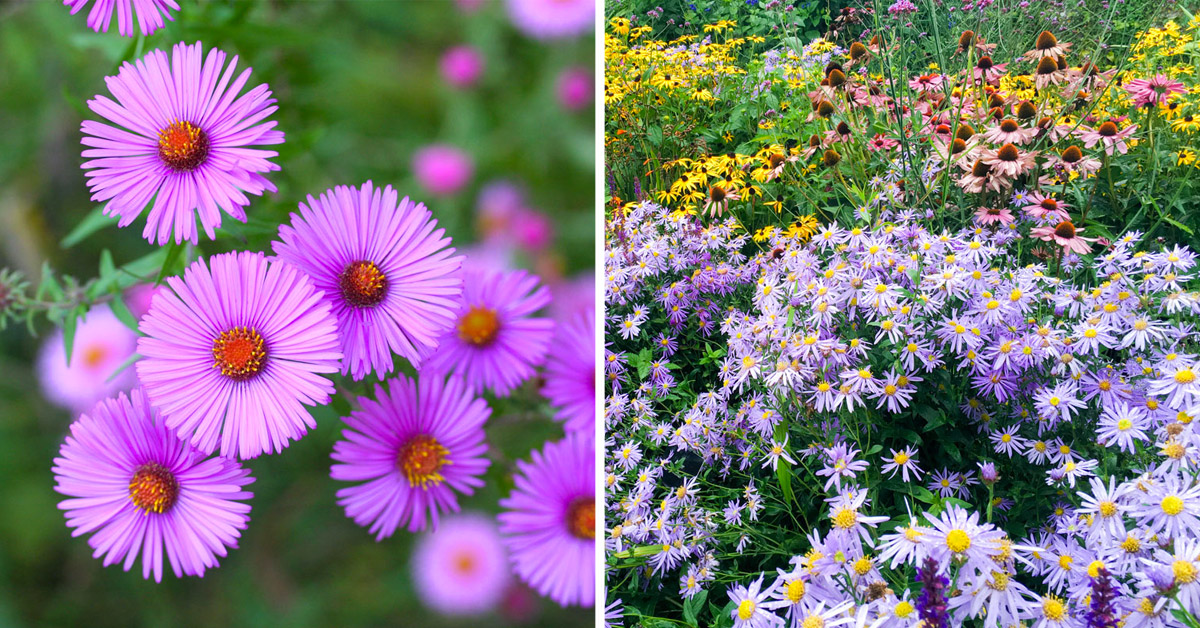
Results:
<point x="385" y="268"/>
<point x="149" y="14"/>
<point x="414" y="447"/>
<point x="235" y="350"/>
<point x="496" y="342"/>
<point x="140" y="488"/>
<point x="179" y="137"/>
<point x="549" y="521"/>
<point x="571" y="373"/>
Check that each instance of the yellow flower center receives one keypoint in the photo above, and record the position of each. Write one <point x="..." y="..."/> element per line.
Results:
<point x="1108" y="509"/>
<point x="746" y="610"/>
<point x="795" y="591"/>
<point x="1053" y="608"/>
<point x="958" y="541"/>
<point x="1185" y="572"/>
<point x="1172" y="505"/>
<point x="1185" y="376"/>
<point x="480" y="326"/>
<point x="421" y="459"/>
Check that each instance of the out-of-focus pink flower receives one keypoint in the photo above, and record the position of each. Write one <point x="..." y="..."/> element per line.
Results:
<point x="441" y="169"/>
<point x="532" y="230"/>
<point x="498" y="202"/>
<point x="469" y="6"/>
<point x="573" y="295"/>
<point x="462" y="66"/>
<point x="575" y="89"/>
<point x="102" y="344"/>
<point x="462" y="569"/>
<point x="138" y="298"/>
<point x="552" y="19"/>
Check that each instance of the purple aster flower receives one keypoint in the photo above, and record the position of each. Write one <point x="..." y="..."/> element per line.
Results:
<point x="414" y="448"/>
<point x="179" y="137"/>
<point x="571" y="373"/>
<point x="141" y="488"/>
<point x="461" y="569"/>
<point x="549" y="521"/>
<point x="496" y="343"/>
<point x="386" y="270"/>
<point x="753" y="604"/>
<point x="149" y="14"/>
<point x="235" y="350"/>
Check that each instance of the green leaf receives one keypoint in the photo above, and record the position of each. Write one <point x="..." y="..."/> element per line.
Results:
<point x="69" y="326"/>
<point x="174" y="254"/>
<point x="121" y="311"/>
<point x="93" y="222"/>
<point x="692" y="607"/>
<point x="124" y="365"/>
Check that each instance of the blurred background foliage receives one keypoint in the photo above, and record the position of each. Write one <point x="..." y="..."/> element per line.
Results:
<point x="358" y="91"/>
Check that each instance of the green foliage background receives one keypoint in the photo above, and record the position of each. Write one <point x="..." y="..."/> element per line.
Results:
<point x="358" y="91"/>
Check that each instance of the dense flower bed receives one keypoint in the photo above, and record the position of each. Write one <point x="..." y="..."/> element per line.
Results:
<point x="901" y="352"/>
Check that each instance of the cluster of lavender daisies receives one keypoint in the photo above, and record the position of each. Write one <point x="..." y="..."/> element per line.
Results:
<point x="1080" y="386"/>
<point x="237" y="350"/>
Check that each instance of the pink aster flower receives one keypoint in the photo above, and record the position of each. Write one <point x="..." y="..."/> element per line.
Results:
<point x="552" y="19"/>
<point x="1065" y="235"/>
<point x="442" y="170"/>
<point x="235" y="350"/>
<point x="549" y="521"/>
<point x="461" y="66"/>
<point x="571" y="373"/>
<point x="462" y="568"/>
<point x="575" y="88"/>
<point x="386" y="271"/>
<point x="414" y="449"/>
<point x="179" y="142"/>
<point x="140" y="488"/>
<point x="102" y="344"/>
<point x="496" y="341"/>
<point x="149" y="14"/>
<point x="1156" y="90"/>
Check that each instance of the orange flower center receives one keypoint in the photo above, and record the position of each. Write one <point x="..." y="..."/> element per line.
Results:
<point x="153" y="488"/>
<point x="421" y="459"/>
<point x="479" y="326"/>
<point x="1008" y="125"/>
<point x="183" y="146"/>
<point x="1047" y="66"/>
<point x="240" y="353"/>
<point x="1008" y="152"/>
<point x="980" y="169"/>
<point x="363" y="284"/>
<point x="1065" y="230"/>
<point x="1108" y="129"/>
<point x="581" y="518"/>
<point x="1046" y="41"/>
<point x="1072" y="154"/>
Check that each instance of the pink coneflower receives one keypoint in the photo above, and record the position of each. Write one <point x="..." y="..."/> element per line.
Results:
<point x="235" y="350"/>
<point x="1153" y="91"/>
<point x="387" y="272"/>
<point x="926" y="82"/>
<point x="415" y="447"/>
<point x="993" y="216"/>
<point x="496" y="342"/>
<point x="881" y="143"/>
<point x="1047" y="46"/>
<point x="442" y="170"/>
<point x="142" y="489"/>
<point x="575" y="88"/>
<point x="980" y="176"/>
<point x="1065" y="235"/>
<point x="1045" y="207"/>
<point x="101" y="345"/>
<point x="1009" y="131"/>
<point x="1110" y="136"/>
<point x="462" y="568"/>
<point x="985" y="71"/>
<point x="1072" y="158"/>
<point x="461" y="66"/>
<point x="552" y="19"/>
<point x="571" y="373"/>
<point x="149" y="14"/>
<point x="718" y="199"/>
<point x="549" y="521"/>
<point x="1009" y="161"/>
<point x="1049" y="71"/>
<point x="180" y="138"/>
